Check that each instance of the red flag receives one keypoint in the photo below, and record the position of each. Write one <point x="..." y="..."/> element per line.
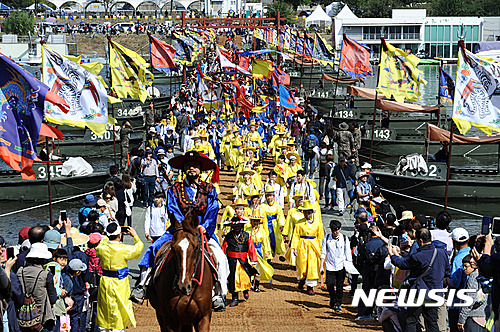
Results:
<point x="283" y="77"/>
<point x="355" y="58"/>
<point x="162" y="55"/>
<point x="245" y="62"/>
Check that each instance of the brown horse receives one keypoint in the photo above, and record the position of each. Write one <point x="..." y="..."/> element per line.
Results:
<point x="182" y="293"/>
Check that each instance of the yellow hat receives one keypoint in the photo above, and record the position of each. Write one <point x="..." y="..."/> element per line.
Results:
<point x="254" y="193"/>
<point x="306" y="206"/>
<point x="300" y="195"/>
<point x="293" y="154"/>
<point x="291" y="142"/>
<point x="202" y="134"/>
<point x="247" y="170"/>
<point x="240" y="202"/>
<point x="270" y="190"/>
<point x="246" y="148"/>
<point x="235" y="129"/>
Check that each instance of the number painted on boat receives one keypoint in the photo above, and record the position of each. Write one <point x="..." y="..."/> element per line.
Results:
<point x="382" y="133"/>
<point x="129" y="111"/>
<point x="107" y="135"/>
<point x="345" y="114"/>
<point x="55" y="171"/>
<point x="432" y="170"/>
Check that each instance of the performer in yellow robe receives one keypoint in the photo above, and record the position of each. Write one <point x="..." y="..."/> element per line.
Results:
<point x="236" y="144"/>
<point x="277" y="141"/>
<point x="275" y="222"/>
<point x="254" y="138"/>
<point x="281" y="168"/>
<point x="114" y="309"/>
<point x="246" y="183"/>
<point x="226" y="147"/>
<point x="293" y="165"/>
<point x="255" y="210"/>
<point x="293" y="217"/>
<point x="205" y="147"/>
<point x="263" y="248"/>
<point x="306" y="245"/>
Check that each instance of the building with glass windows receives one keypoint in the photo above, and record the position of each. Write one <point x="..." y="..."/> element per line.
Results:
<point x="410" y="30"/>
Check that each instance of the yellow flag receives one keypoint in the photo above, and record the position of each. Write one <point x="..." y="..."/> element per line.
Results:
<point x="262" y="68"/>
<point x="129" y="72"/>
<point x="399" y="76"/>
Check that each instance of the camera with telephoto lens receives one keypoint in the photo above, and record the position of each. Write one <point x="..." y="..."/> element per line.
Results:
<point x="486" y="283"/>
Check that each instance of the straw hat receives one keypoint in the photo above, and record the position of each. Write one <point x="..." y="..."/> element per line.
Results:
<point x="202" y="134"/>
<point x="252" y="124"/>
<point x="293" y="154"/>
<point x="406" y="215"/>
<point x="240" y="202"/>
<point x="300" y="195"/>
<point x="344" y="126"/>
<point x="291" y="142"/>
<point x="249" y="148"/>
<point x="78" y="238"/>
<point x="366" y="166"/>
<point x="247" y="170"/>
<point x="306" y="206"/>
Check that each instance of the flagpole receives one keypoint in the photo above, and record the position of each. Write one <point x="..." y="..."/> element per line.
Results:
<point x="112" y="105"/>
<point x="382" y="42"/>
<point x="153" y="82"/>
<point x="302" y="62"/>
<point x="312" y="60"/>
<point x="48" y="179"/>
<point x="337" y="81"/>
<point x="42" y="42"/>
<point x="461" y="47"/>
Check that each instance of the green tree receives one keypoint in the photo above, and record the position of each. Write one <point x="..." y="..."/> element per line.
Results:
<point x="284" y="8"/>
<point x="18" y="4"/>
<point x="19" y="23"/>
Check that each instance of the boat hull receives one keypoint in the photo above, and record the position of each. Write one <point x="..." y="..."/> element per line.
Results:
<point x="462" y="187"/>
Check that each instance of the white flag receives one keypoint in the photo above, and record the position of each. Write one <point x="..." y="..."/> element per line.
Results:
<point x="85" y="94"/>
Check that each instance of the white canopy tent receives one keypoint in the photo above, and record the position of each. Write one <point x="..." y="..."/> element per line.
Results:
<point x="319" y="17"/>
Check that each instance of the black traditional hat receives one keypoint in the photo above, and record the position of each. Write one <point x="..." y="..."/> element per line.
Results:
<point x="206" y="163"/>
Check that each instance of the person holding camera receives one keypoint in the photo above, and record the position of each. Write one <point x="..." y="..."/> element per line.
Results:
<point x="335" y="252"/>
<point x="428" y="267"/>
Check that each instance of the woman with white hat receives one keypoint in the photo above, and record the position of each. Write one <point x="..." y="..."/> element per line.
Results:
<point x="39" y="283"/>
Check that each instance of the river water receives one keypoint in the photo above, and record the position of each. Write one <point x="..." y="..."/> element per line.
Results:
<point x="10" y="225"/>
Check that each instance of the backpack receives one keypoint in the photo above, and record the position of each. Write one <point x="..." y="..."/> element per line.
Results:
<point x="29" y="316"/>
<point x="310" y="144"/>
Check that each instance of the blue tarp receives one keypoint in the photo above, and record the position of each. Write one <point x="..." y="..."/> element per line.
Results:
<point x="487" y="46"/>
<point x="4" y="7"/>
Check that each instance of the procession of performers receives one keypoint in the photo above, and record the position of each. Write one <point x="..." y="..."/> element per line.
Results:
<point x="274" y="212"/>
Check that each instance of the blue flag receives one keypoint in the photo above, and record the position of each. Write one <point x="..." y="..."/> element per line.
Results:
<point x="446" y="87"/>
<point x="22" y="100"/>
<point x="287" y="100"/>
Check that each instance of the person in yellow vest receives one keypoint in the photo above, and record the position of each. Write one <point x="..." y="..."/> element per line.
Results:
<point x="263" y="248"/>
<point x="281" y="169"/>
<point x="293" y="217"/>
<point x="114" y="309"/>
<point x="293" y="165"/>
<point x="306" y="246"/>
<point x="275" y="222"/>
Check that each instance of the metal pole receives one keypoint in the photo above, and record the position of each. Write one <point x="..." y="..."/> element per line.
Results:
<point x="382" y="41"/>
<point x="48" y="179"/>
<point x="112" y="105"/>
<point x="312" y="61"/>
<point x="448" y="166"/>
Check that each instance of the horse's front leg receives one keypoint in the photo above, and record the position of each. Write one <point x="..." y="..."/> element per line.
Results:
<point x="204" y="324"/>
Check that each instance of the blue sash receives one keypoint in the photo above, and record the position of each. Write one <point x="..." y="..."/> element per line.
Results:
<point x="120" y="274"/>
<point x="272" y="237"/>
<point x="308" y="237"/>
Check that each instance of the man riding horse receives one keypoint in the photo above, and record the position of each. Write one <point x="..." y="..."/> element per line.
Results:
<point x="202" y="197"/>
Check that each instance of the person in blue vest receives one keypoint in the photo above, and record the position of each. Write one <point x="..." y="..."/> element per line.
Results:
<point x="202" y="197"/>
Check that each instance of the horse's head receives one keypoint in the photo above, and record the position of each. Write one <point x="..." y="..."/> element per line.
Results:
<point x="186" y="248"/>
